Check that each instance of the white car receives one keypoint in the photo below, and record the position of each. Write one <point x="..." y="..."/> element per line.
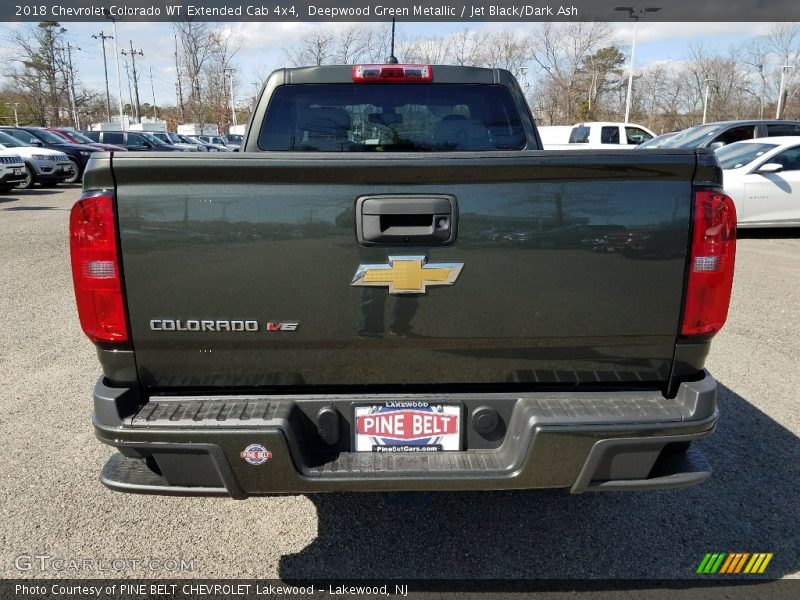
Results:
<point x="12" y="170"/>
<point x="762" y="176"/>
<point x="42" y="165"/>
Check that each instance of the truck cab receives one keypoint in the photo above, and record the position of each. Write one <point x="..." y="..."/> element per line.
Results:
<point x="594" y="135"/>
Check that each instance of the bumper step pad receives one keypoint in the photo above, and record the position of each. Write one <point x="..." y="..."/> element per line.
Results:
<point x="133" y="475"/>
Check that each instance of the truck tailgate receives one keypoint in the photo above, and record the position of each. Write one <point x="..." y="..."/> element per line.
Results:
<point x="573" y="269"/>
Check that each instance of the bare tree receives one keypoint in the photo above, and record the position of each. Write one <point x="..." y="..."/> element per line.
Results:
<point x="559" y="50"/>
<point x="466" y="47"/>
<point x="315" y="49"/>
<point x="206" y="51"/>
<point x="39" y="74"/>
<point x="783" y="40"/>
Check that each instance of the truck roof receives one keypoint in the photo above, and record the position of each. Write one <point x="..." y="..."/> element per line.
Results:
<point x="441" y="74"/>
<point x="608" y="124"/>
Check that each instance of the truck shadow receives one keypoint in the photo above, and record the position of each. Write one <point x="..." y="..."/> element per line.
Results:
<point x="750" y="504"/>
<point x="769" y="233"/>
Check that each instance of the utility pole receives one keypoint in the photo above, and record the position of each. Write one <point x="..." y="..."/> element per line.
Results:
<point x="71" y="84"/>
<point x="103" y="37"/>
<point x="135" y="77"/>
<point x="177" y="95"/>
<point x="119" y="76"/>
<point x="153" y="89"/>
<point x="130" y="91"/>
<point x="178" y="86"/>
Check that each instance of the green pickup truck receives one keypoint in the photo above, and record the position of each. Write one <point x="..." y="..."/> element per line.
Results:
<point x="392" y="287"/>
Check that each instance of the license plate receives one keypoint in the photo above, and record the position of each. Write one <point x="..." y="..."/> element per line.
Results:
<point x="17" y="171"/>
<point x="407" y="427"/>
<point x="66" y="168"/>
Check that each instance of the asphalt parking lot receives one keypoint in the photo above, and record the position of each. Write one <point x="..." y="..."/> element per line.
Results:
<point x="52" y="503"/>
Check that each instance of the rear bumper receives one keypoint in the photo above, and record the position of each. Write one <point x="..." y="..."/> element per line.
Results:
<point x="583" y="441"/>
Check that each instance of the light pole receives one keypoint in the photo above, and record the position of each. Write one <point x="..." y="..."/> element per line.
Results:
<point x="635" y="14"/>
<point x="119" y="77"/>
<point x="782" y="91"/>
<point x="256" y="88"/>
<point x="705" y="98"/>
<point x="229" y="74"/>
<point x="14" y="106"/>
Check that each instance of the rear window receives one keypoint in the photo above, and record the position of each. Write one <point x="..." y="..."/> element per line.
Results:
<point x="692" y="137"/>
<point x="113" y="138"/>
<point x="783" y="129"/>
<point x="391" y="118"/>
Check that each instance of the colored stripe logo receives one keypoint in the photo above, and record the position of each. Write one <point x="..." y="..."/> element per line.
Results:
<point x="732" y="563"/>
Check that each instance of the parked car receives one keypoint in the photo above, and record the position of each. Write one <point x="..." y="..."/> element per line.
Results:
<point x="42" y="165"/>
<point x="12" y="170"/>
<point x="218" y="140"/>
<point x="763" y="178"/>
<point x="138" y="141"/>
<point x="604" y="135"/>
<point x="658" y="141"/>
<point x="160" y="144"/>
<point x="204" y="147"/>
<point x="76" y="137"/>
<point x="174" y="140"/>
<point x="722" y="133"/>
<point x="78" y="154"/>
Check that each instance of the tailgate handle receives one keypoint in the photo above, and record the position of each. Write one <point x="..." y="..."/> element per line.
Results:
<point x="393" y="220"/>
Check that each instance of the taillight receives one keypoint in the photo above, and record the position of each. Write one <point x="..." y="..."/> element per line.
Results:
<point x="392" y="73"/>
<point x="711" y="264"/>
<point x="95" y="269"/>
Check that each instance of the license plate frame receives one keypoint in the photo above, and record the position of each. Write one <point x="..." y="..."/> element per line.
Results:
<point x="407" y="427"/>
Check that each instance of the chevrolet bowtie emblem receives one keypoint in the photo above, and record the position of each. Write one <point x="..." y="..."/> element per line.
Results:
<point x="407" y="274"/>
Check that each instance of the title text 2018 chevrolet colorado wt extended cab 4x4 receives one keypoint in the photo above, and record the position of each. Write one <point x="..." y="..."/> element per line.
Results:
<point x="393" y="288"/>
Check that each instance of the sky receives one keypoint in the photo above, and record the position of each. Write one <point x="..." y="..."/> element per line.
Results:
<point x="263" y="43"/>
